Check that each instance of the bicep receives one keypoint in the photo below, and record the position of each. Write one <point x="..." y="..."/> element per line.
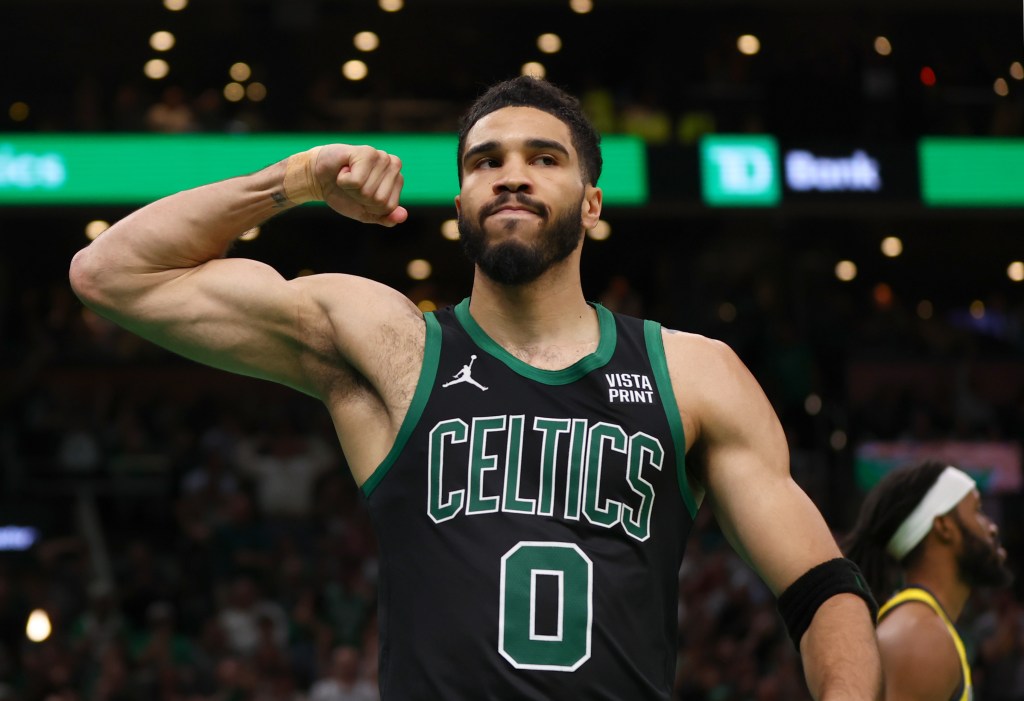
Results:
<point x="235" y="314"/>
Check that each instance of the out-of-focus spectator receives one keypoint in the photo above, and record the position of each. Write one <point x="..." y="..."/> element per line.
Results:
<point x="172" y="114"/>
<point x="249" y="618"/>
<point x="241" y="545"/>
<point x="285" y="464"/>
<point x="998" y="634"/>
<point x="344" y="681"/>
<point x="101" y="624"/>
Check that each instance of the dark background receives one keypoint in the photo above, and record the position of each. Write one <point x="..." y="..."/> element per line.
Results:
<point x="762" y="280"/>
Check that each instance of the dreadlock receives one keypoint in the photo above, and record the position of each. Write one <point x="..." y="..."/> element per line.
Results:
<point x="885" y="507"/>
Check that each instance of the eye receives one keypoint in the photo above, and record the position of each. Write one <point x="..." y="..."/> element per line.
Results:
<point x="485" y="163"/>
<point x="546" y="160"/>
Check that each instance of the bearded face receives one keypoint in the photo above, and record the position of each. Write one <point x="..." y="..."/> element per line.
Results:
<point x="512" y="261"/>
<point x="981" y="563"/>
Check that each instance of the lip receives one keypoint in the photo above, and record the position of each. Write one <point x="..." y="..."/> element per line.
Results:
<point x="513" y="210"/>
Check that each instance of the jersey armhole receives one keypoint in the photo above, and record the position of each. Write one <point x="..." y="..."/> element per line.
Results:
<point x="656" y="354"/>
<point x="428" y="372"/>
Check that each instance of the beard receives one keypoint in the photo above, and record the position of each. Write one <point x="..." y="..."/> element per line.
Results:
<point x="513" y="262"/>
<point x="979" y="562"/>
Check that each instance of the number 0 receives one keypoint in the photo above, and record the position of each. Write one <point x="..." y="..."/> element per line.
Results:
<point x="519" y="643"/>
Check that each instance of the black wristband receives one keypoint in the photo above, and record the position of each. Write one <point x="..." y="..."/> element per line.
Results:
<point x="801" y="600"/>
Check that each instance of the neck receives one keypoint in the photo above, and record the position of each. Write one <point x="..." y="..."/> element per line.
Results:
<point x="943" y="581"/>
<point x="547" y="318"/>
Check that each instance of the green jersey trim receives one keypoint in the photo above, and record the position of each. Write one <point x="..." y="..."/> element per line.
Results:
<point x="431" y="355"/>
<point x="656" y="353"/>
<point x="598" y="359"/>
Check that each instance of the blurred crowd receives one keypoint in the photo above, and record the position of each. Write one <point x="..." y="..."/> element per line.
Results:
<point x="202" y="540"/>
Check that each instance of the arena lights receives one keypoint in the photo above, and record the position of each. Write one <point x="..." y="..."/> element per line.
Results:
<point x="812" y="404"/>
<point x="883" y="47"/>
<point x="977" y="309"/>
<point x="38" y="627"/>
<point x="581" y="7"/>
<point x="601" y="231"/>
<point x="427" y="305"/>
<point x="175" y="5"/>
<point x="534" y="68"/>
<point x="748" y="44"/>
<point x="1017" y="70"/>
<point x="846" y="270"/>
<point x="240" y="71"/>
<point x="355" y="70"/>
<point x="450" y="229"/>
<point x="18" y="111"/>
<point x="1001" y="87"/>
<point x="419" y="269"/>
<point x="892" y="247"/>
<point x="161" y="41"/>
<point x="234" y="92"/>
<point x="16" y="538"/>
<point x="156" y="68"/>
<point x="925" y="310"/>
<point x="256" y="92"/>
<point x="391" y="5"/>
<point x="882" y="294"/>
<point x="94" y="228"/>
<point x="549" y="43"/>
<point x="1015" y="271"/>
<point x="366" y="41"/>
<point x="928" y="76"/>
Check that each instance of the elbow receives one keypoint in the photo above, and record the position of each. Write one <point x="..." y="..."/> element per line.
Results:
<point x="85" y="278"/>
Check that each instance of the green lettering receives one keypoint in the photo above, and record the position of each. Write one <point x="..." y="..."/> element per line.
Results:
<point x="456" y="430"/>
<point x="610" y="514"/>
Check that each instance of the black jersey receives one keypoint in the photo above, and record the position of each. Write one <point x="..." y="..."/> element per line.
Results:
<point x="531" y="523"/>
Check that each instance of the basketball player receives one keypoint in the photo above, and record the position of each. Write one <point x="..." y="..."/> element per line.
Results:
<point x="531" y="521"/>
<point x="922" y="529"/>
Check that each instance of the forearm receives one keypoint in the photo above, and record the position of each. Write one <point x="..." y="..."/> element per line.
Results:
<point x="840" y="652"/>
<point x="176" y="233"/>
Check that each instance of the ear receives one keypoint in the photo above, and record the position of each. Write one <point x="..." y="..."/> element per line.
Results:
<point x="946" y="528"/>
<point x="590" y="210"/>
<point x="458" y="205"/>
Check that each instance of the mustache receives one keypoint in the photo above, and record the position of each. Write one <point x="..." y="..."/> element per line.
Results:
<point x="521" y="200"/>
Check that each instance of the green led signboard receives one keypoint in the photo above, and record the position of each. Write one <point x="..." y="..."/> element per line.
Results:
<point x="130" y="169"/>
<point x="964" y="172"/>
<point x="740" y="171"/>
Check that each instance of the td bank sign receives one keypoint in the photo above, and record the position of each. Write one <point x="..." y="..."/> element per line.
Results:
<point x="747" y="171"/>
<point x="738" y="171"/>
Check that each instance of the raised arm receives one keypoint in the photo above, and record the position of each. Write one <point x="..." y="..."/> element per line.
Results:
<point x="161" y="272"/>
<point x="770" y="521"/>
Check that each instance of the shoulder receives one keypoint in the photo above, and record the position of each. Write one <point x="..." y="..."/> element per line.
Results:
<point x="690" y="355"/>
<point x="918" y="654"/>
<point x="713" y="387"/>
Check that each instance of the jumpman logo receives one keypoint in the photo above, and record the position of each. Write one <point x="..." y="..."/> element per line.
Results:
<point x="464" y="375"/>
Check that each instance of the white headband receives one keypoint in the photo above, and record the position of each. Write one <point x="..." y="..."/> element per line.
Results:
<point x="951" y="486"/>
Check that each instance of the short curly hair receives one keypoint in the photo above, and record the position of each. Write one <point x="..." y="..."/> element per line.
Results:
<point x="528" y="91"/>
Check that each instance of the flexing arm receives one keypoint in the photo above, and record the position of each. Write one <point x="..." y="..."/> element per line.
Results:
<point x="160" y="272"/>
<point x="766" y="516"/>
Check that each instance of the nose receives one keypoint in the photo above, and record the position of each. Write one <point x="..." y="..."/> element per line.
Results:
<point x="514" y="177"/>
